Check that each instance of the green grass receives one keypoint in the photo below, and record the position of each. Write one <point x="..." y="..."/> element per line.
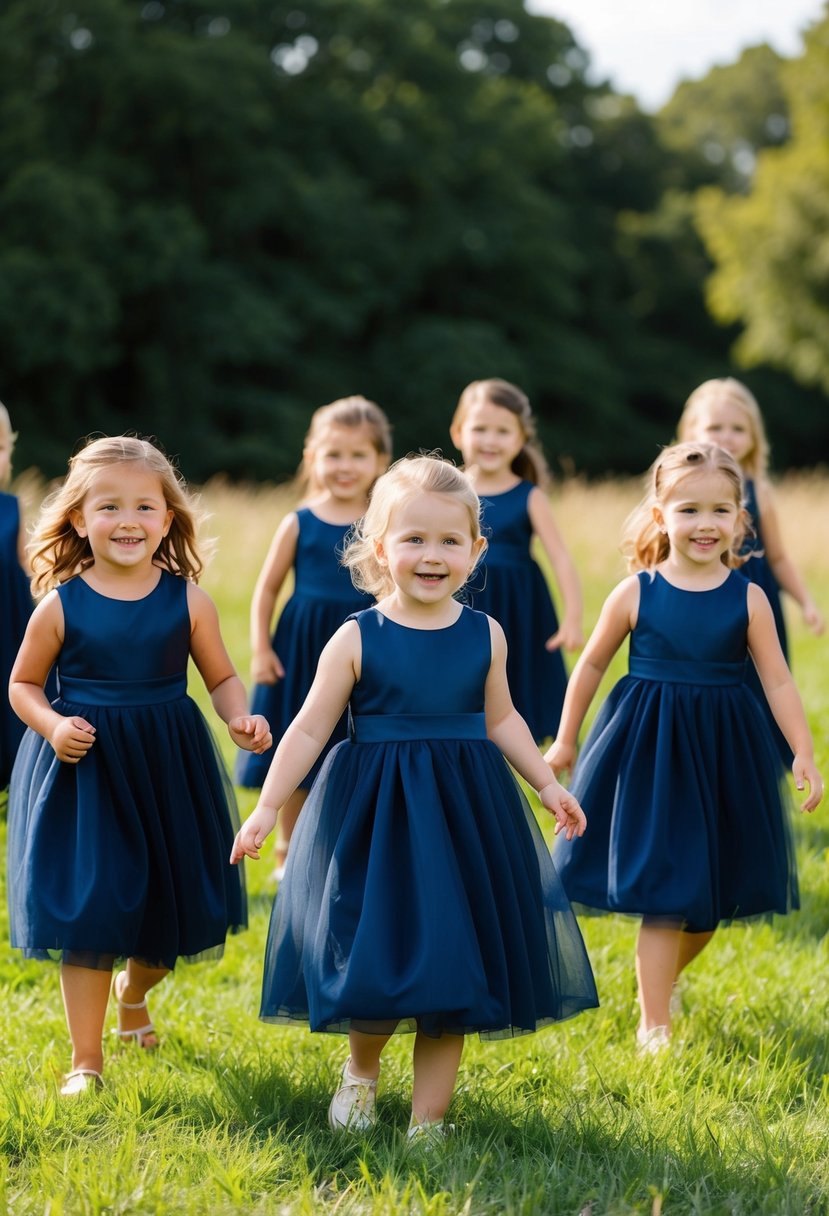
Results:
<point x="229" y="1116"/>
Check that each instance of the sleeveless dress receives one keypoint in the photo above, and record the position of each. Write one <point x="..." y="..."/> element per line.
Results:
<point x="125" y="853"/>
<point x="757" y="570"/>
<point x="323" y="597"/>
<point x="16" y="610"/>
<point x="510" y="586"/>
<point x="678" y="776"/>
<point x="418" y="891"/>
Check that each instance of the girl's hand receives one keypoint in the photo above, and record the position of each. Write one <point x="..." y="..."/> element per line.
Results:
<point x="266" y="668"/>
<point x="568" y="637"/>
<point x="561" y="757"/>
<point x="251" y="733"/>
<point x="252" y="834"/>
<point x="72" y="739"/>
<point x="805" y="773"/>
<point x="813" y="617"/>
<point x="570" y="818"/>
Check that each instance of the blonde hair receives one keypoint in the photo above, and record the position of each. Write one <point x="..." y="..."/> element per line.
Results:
<point x="7" y="432"/>
<point x="406" y="479"/>
<point x="755" y="464"/>
<point x="644" y="545"/>
<point x="348" y="412"/>
<point x="56" y="551"/>
<point x="529" y="464"/>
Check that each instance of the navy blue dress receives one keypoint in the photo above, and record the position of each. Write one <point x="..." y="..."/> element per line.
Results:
<point x="678" y="776"/>
<point x="418" y="890"/>
<point x="323" y="597"/>
<point x="510" y="586"/>
<point x="757" y="570"/>
<point x="124" y="854"/>
<point x="16" y="609"/>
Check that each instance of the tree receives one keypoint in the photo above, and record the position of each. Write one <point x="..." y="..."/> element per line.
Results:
<point x="771" y="248"/>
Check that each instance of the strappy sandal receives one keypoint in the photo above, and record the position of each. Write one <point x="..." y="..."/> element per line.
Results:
<point x="79" y="1080"/>
<point x="143" y="1033"/>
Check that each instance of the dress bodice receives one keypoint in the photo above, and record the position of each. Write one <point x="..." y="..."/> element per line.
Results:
<point x="124" y="643"/>
<point x="690" y="636"/>
<point x="506" y="525"/>
<point x="422" y="671"/>
<point x="317" y="570"/>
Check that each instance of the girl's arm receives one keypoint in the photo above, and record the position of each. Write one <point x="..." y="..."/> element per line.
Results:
<point x="616" y="620"/>
<point x="781" y="693"/>
<point x="570" y="634"/>
<point x="71" y="738"/>
<point x="782" y="567"/>
<point x="337" y="671"/>
<point x="265" y="665"/>
<point x="511" y="735"/>
<point x="227" y="692"/>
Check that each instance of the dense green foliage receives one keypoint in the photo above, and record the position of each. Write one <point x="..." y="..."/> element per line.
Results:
<point x="216" y="215"/>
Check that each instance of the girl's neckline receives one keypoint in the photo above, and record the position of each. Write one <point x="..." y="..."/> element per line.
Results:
<point x="117" y="599"/>
<point x="501" y="493"/>
<point x="348" y="524"/>
<point x="416" y="628"/>
<point x="688" y="590"/>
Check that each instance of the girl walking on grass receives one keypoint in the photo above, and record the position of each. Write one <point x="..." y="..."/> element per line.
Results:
<point x="419" y="894"/>
<point x="347" y="446"/>
<point x="494" y="429"/>
<point x="725" y="412"/>
<point x="120" y="812"/>
<point x="678" y="776"/>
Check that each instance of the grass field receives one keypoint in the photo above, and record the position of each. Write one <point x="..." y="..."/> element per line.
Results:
<point x="229" y="1116"/>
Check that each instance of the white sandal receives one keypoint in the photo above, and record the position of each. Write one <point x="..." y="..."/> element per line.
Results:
<point x="140" y="1035"/>
<point x="79" y="1080"/>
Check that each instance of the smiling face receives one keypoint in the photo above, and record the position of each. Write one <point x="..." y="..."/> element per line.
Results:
<point x="489" y="436"/>
<point x="345" y="462"/>
<point x="723" y="421"/>
<point x="124" y="516"/>
<point x="700" y="516"/>
<point x="428" y="548"/>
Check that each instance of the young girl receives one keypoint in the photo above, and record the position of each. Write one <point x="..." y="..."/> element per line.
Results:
<point x="419" y="894"/>
<point x="678" y="776"/>
<point x="726" y="413"/>
<point x="119" y="810"/>
<point x="14" y="596"/>
<point x="347" y="446"/>
<point x="494" y="428"/>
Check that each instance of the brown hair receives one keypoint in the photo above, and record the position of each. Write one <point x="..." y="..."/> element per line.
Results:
<point x="56" y="551"/>
<point x="756" y="462"/>
<point x="644" y="545"/>
<point x="350" y="412"/>
<point x="529" y="464"/>
<point x="407" y="478"/>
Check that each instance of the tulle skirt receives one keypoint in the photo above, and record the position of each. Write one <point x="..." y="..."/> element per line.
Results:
<point x="687" y="819"/>
<point x="419" y="893"/>
<point x="124" y="854"/>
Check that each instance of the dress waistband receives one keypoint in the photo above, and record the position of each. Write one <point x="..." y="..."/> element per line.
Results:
<point x="122" y="692"/>
<point x="686" y="671"/>
<point x="402" y="728"/>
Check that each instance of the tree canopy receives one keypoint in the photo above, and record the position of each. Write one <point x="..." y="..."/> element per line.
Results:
<point x="216" y="215"/>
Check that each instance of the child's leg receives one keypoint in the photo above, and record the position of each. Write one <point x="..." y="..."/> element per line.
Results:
<point x="285" y="824"/>
<point x="690" y="945"/>
<point x="436" y="1063"/>
<point x="85" y="995"/>
<point x="657" y="955"/>
<point x="132" y="991"/>
<point x="366" y="1050"/>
